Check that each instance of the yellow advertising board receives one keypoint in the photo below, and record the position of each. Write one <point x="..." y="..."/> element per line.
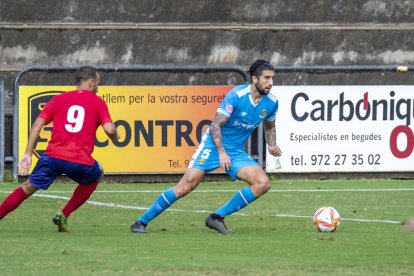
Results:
<point x="160" y="126"/>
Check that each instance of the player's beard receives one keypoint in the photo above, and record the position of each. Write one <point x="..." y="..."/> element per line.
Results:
<point x="262" y="90"/>
<point x="94" y="89"/>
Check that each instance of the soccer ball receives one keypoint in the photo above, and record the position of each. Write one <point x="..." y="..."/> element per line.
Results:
<point x="326" y="219"/>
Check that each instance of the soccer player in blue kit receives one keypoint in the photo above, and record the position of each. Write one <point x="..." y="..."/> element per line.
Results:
<point x="222" y="145"/>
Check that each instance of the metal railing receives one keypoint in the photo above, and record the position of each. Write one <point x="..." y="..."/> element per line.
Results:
<point x="2" y="129"/>
<point x="344" y="69"/>
<point x="282" y="69"/>
<point x="176" y="69"/>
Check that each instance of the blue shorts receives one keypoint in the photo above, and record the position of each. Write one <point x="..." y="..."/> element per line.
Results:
<point x="207" y="159"/>
<point x="48" y="168"/>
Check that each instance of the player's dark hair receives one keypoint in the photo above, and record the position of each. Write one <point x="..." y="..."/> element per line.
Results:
<point x="257" y="68"/>
<point x="85" y="73"/>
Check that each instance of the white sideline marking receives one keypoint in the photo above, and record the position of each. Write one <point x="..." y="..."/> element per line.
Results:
<point x="130" y="207"/>
<point x="116" y="205"/>
<point x="234" y="191"/>
<point x="361" y="220"/>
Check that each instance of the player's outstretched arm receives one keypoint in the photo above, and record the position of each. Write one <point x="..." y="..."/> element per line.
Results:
<point x="110" y="130"/>
<point x="215" y="132"/>
<point x="270" y="136"/>
<point x="26" y="161"/>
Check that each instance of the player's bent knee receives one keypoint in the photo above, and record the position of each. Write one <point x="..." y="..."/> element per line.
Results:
<point x="265" y="186"/>
<point x="188" y="182"/>
<point x="28" y="188"/>
<point x="184" y="187"/>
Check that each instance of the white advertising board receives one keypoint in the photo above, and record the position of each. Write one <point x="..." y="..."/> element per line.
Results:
<point x="344" y="129"/>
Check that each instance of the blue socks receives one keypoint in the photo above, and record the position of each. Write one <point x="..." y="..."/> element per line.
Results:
<point x="240" y="200"/>
<point x="237" y="202"/>
<point x="160" y="204"/>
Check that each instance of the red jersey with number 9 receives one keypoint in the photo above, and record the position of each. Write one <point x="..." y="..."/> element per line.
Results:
<point x="76" y="115"/>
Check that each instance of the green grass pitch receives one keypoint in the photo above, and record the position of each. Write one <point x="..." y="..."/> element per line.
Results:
<point x="274" y="235"/>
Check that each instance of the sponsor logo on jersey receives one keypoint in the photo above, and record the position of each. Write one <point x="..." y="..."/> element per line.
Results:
<point x="37" y="103"/>
<point x="229" y="108"/>
<point x="246" y="126"/>
<point x="243" y="114"/>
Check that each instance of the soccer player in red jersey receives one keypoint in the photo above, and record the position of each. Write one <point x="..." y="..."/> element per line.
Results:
<point x="76" y="115"/>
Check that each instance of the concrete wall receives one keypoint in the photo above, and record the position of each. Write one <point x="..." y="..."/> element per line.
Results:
<point x="186" y="32"/>
<point x="208" y="11"/>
